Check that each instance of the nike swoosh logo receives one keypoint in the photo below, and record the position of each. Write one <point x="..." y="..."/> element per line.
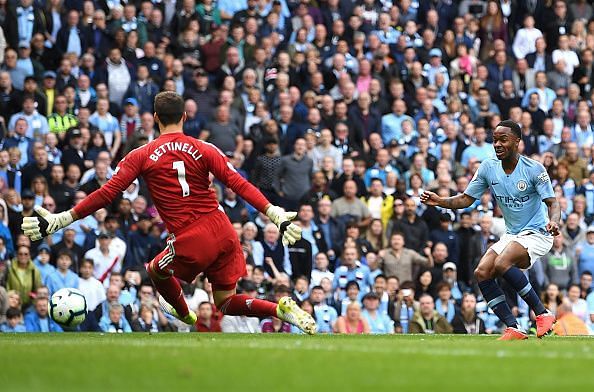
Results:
<point x="494" y="183"/>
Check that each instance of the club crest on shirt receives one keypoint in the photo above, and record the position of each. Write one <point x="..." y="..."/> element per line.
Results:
<point x="522" y="185"/>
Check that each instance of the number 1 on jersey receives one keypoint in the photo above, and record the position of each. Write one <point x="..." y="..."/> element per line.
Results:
<point x="181" y="177"/>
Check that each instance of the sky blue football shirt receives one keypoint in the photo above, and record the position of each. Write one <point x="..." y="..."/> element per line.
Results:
<point x="519" y="194"/>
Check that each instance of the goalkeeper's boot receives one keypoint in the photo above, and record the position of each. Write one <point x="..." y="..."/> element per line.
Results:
<point x="288" y="310"/>
<point x="190" y="319"/>
<point x="512" y="333"/>
<point x="544" y="323"/>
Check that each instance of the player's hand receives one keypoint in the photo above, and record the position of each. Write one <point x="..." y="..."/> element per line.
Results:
<point x="553" y="228"/>
<point x="37" y="227"/>
<point x="290" y="232"/>
<point x="430" y="198"/>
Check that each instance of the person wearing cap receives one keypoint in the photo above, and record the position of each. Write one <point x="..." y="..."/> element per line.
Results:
<point x="105" y="258"/>
<point x="446" y="235"/>
<point x="379" y="323"/>
<point x="435" y="67"/>
<point x="42" y="262"/>
<point x="60" y="120"/>
<point x="31" y="89"/>
<point x="130" y="120"/>
<point x="585" y="252"/>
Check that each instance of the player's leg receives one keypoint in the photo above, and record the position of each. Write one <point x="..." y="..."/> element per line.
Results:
<point x="485" y="276"/>
<point x="508" y="265"/>
<point x="233" y="304"/>
<point x="171" y="294"/>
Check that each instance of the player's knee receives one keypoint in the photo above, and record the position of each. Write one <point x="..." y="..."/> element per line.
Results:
<point x="481" y="274"/>
<point x="501" y="265"/>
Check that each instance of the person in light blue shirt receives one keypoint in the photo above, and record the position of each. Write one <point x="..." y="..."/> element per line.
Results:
<point x="325" y="315"/>
<point x="42" y="262"/>
<point x="39" y="319"/>
<point x="522" y="188"/>
<point x="585" y="252"/>
<point x="14" y="322"/>
<point x="480" y="149"/>
<point x="62" y="277"/>
<point x="350" y="269"/>
<point x="379" y="323"/>
<point x="114" y="321"/>
<point x="392" y="122"/>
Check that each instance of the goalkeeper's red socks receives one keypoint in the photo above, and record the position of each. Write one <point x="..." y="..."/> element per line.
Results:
<point x="170" y="290"/>
<point x="244" y="305"/>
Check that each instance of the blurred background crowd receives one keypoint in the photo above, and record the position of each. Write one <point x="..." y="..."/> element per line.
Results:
<point x="342" y="110"/>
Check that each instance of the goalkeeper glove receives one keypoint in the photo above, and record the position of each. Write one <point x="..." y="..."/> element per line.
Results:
<point x="37" y="227"/>
<point x="290" y="232"/>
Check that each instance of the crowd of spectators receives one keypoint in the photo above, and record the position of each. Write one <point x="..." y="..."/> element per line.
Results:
<point x="342" y="110"/>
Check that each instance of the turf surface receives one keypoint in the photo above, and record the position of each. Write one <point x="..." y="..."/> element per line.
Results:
<point x="216" y="362"/>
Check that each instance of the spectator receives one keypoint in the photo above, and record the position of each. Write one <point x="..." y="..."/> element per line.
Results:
<point x="427" y="320"/>
<point x="353" y="322"/>
<point x="559" y="265"/>
<point x="92" y="288"/>
<point x="14" y="321"/>
<point x="466" y="321"/>
<point x="38" y="320"/>
<point x="551" y="297"/>
<point x="207" y="320"/>
<point x="294" y="175"/>
<point x="62" y="277"/>
<point x="585" y="252"/>
<point x="378" y="322"/>
<point x="399" y="261"/>
<point x="23" y="276"/>
<point x="325" y="315"/>
<point x="579" y="306"/>
<point x="569" y="324"/>
<point x="106" y="260"/>
<point x="349" y="207"/>
<point x="113" y="321"/>
<point x="42" y="262"/>
<point x="350" y="269"/>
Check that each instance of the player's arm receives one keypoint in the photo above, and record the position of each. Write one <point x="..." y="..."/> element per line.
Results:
<point x="542" y="183"/>
<point x="461" y="200"/>
<point x="37" y="227"/>
<point x="554" y="210"/>
<point x="477" y="186"/>
<point x="225" y="172"/>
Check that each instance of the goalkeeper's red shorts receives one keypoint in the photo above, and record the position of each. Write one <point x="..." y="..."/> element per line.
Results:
<point x="208" y="245"/>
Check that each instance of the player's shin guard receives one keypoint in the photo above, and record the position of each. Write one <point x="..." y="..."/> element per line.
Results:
<point x="169" y="288"/>
<point x="516" y="278"/>
<point x="244" y="305"/>
<point x="496" y="301"/>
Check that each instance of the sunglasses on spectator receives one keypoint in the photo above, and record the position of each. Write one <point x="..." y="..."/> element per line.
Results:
<point x="23" y="253"/>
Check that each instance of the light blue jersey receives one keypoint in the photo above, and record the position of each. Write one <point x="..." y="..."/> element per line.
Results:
<point x="519" y="194"/>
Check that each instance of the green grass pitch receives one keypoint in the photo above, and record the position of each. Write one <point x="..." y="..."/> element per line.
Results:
<point x="267" y="362"/>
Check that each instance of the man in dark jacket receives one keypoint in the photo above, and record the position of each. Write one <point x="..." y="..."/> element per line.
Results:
<point x="142" y="246"/>
<point x="24" y="11"/>
<point x="416" y="232"/>
<point x="72" y="37"/>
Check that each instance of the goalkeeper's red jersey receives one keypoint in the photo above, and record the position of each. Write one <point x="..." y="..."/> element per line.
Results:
<point x="176" y="169"/>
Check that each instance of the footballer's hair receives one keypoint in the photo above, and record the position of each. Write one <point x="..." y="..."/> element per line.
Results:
<point x="513" y="126"/>
<point x="169" y="107"/>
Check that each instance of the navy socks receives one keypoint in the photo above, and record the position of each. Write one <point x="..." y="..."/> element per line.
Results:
<point x="516" y="278"/>
<point x="496" y="301"/>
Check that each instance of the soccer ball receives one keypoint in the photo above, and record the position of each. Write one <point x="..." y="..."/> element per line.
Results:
<point x="68" y="307"/>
